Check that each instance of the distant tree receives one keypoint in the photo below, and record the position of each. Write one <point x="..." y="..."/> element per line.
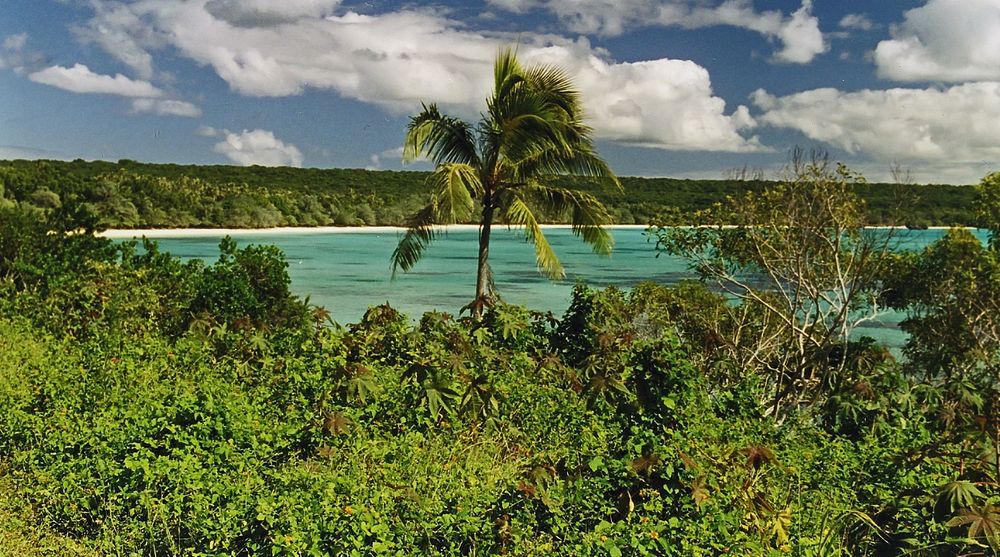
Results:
<point x="45" y="198"/>
<point x="532" y="130"/>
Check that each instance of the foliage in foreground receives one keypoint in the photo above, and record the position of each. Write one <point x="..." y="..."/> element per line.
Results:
<point x="159" y="407"/>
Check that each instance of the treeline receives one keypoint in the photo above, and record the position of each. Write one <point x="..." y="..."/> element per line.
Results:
<point x="159" y="407"/>
<point x="129" y="194"/>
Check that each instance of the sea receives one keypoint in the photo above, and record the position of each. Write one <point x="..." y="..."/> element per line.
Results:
<point x="348" y="271"/>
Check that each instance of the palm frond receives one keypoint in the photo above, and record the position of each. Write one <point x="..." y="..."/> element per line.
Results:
<point x="540" y="131"/>
<point x="581" y="161"/>
<point x="519" y="108"/>
<point x="453" y="187"/>
<point x="588" y="224"/>
<point x="527" y="121"/>
<point x="528" y="136"/>
<point x="419" y="233"/>
<point x="584" y="161"/>
<point x="554" y="84"/>
<point x="507" y="72"/>
<point x="519" y="214"/>
<point x="524" y="144"/>
<point x="587" y="214"/>
<point x="490" y="140"/>
<point x="441" y="138"/>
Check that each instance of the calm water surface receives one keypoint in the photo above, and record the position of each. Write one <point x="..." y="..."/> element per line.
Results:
<point x="349" y="271"/>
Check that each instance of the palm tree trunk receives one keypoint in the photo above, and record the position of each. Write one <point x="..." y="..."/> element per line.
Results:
<point x="483" y="270"/>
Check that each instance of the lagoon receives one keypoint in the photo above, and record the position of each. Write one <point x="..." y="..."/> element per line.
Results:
<point x="348" y="271"/>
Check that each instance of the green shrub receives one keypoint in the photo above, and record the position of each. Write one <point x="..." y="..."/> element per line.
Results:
<point x="158" y="407"/>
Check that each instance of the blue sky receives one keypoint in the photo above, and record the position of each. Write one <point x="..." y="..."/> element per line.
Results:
<point x="686" y="88"/>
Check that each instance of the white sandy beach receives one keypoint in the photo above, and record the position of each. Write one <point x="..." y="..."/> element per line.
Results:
<point x="125" y="233"/>
<point x="198" y="232"/>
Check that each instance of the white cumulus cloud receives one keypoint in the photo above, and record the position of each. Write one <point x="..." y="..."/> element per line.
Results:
<point x="944" y="40"/>
<point x="14" y="55"/>
<point x="860" y="22"/>
<point x="15" y="42"/>
<point x="399" y="59"/>
<point x="801" y="37"/>
<point x="937" y="128"/>
<point x="266" y="12"/>
<point x="122" y="33"/>
<point x="798" y="33"/>
<point x="258" y="147"/>
<point x="660" y="103"/>
<point x="376" y="159"/>
<point x="166" y="107"/>
<point x="79" y="79"/>
<point x="208" y="131"/>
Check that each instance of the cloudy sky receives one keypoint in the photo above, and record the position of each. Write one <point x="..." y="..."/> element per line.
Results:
<point x="686" y="88"/>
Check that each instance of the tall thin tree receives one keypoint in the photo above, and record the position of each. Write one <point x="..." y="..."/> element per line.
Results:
<point x="532" y="131"/>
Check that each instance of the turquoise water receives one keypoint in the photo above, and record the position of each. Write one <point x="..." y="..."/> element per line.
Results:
<point x="349" y="271"/>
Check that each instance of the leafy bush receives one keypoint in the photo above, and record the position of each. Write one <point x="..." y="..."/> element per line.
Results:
<point x="247" y="287"/>
<point x="159" y="407"/>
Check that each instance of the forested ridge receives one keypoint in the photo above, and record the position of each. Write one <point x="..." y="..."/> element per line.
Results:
<point x="129" y="194"/>
<point x="153" y="406"/>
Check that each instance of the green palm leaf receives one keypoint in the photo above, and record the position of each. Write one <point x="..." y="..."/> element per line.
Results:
<point x="588" y="215"/>
<point x="453" y="186"/>
<point x="507" y="72"/>
<point x="519" y="214"/>
<point x="441" y="138"/>
<point x="583" y="161"/>
<point x="526" y="126"/>
<point x="586" y="162"/>
<point x="419" y="233"/>
<point x="554" y="84"/>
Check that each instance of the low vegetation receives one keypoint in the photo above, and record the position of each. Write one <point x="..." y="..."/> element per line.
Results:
<point x="157" y="407"/>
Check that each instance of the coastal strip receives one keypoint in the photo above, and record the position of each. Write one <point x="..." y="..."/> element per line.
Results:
<point x="125" y="233"/>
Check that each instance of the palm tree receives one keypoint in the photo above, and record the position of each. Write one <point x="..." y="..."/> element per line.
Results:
<point x="532" y="131"/>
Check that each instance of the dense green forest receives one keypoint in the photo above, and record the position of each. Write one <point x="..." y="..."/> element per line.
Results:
<point x="128" y="194"/>
<point x="159" y="407"/>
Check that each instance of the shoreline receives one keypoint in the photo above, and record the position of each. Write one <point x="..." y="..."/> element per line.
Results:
<point x="129" y="233"/>
<point x="126" y="233"/>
